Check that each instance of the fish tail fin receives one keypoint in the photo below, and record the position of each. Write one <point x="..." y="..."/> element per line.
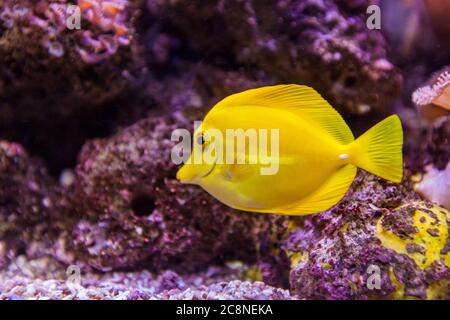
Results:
<point x="379" y="150"/>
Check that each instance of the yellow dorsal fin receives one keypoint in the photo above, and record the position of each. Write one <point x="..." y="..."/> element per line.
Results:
<point x="301" y="100"/>
<point x="330" y="193"/>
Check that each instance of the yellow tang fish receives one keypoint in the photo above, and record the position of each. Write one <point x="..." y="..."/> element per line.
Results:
<point x="315" y="157"/>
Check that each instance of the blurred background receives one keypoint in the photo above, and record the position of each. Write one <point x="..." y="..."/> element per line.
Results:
<point x="86" y="114"/>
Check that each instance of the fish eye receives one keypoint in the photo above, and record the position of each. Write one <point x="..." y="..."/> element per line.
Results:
<point x="201" y="140"/>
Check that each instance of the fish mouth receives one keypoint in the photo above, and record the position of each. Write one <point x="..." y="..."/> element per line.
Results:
<point x="210" y="170"/>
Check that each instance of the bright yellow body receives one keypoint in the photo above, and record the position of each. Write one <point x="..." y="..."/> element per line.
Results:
<point x="317" y="152"/>
<point x="307" y="158"/>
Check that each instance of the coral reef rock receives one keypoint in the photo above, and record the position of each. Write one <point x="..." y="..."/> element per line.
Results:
<point x="28" y="203"/>
<point x="427" y="145"/>
<point x="57" y="82"/>
<point x="136" y="213"/>
<point x="381" y="241"/>
<point x="311" y="42"/>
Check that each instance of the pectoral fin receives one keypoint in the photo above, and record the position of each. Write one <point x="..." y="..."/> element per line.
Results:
<point x="237" y="172"/>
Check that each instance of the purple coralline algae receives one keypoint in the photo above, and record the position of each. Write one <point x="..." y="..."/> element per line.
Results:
<point x="135" y="213"/>
<point x="311" y="42"/>
<point x="381" y="241"/>
<point x="106" y="25"/>
<point x="427" y="144"/>
<point x="29" y="203"/>
<point x="56" y="81"/>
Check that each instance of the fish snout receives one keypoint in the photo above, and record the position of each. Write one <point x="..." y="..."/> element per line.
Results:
<point x="191" y="173"/>
<point x="183" y="175"/>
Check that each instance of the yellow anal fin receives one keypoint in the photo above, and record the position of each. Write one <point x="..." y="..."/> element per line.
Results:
<point x="330" y="193"/>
